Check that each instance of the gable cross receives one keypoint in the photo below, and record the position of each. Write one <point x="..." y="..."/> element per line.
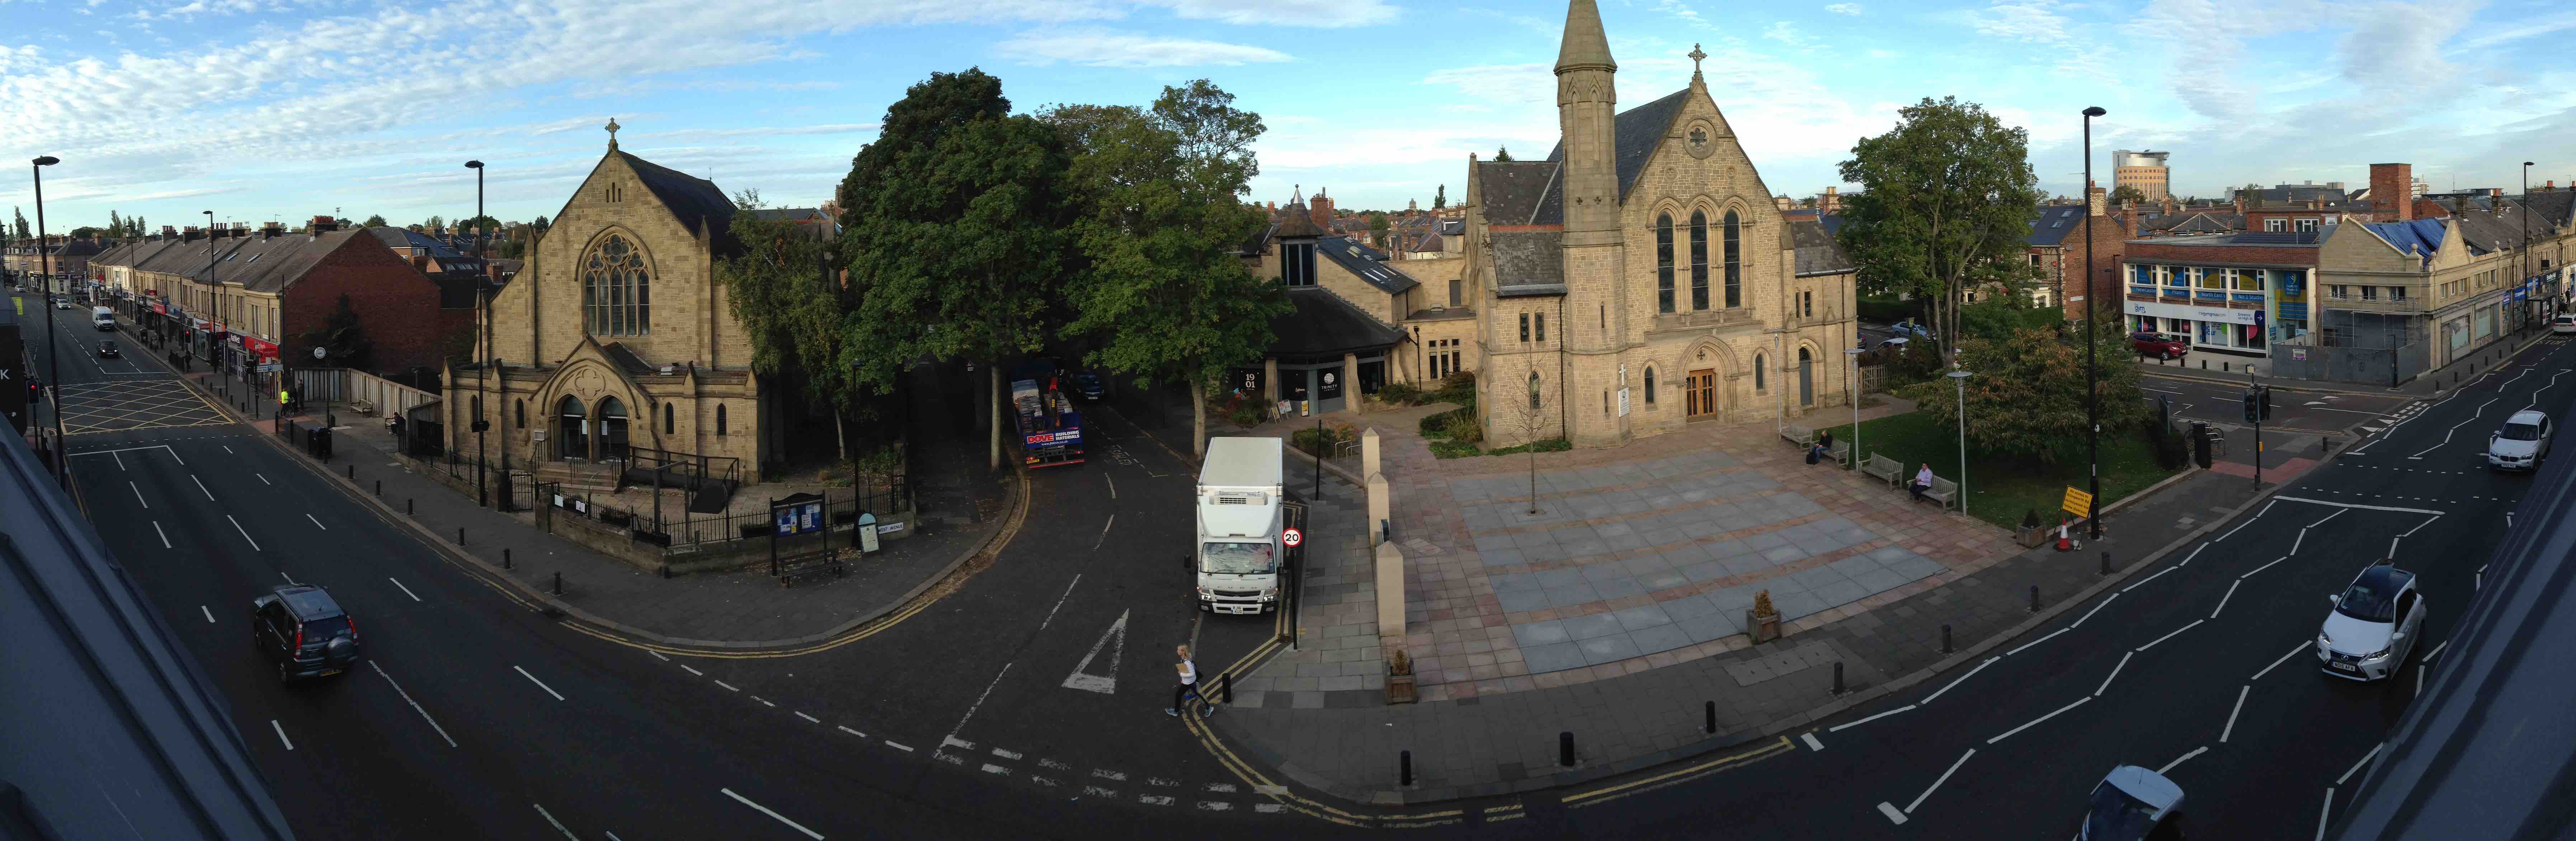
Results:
<point x="612" y="132"/>
<point x="1695" y="56"/>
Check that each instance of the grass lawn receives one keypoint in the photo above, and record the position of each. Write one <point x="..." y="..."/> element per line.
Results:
<point x="2000" y="490"/>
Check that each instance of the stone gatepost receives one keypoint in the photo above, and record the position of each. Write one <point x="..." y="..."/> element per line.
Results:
<point x="1380" y="505"/>
<point x="1368" y="452"/>
<point x="1390" y="594"/>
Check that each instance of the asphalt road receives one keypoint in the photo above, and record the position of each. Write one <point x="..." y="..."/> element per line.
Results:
<point x="2293" y="409"/>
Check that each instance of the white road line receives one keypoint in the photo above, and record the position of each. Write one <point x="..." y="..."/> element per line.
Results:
<point x="1890" y="810"/>
<point x="1971" y="673"/>
<point x="2232" y="711"/>
<point x="165" y="536"/>
<point x="2097" y="608"/>
<point x="2294" y="652"/>
<point x="1221" y="788"/>
<point x="281" y="734"/>
<point x="2324" y="812"/>
<point x="415" y="705"/>
<point x="846" y="729"/>
<point x="210" y="616"/>
<point x="2143" y="581"/>
<point x="201" y="487"/>
<point x="2042" y="639"/>
<point x="728" y="687"/>
<point x="1812" y="744"/>
<point x="2419" y="679"/>
<point x="1936" y="784"/>
<point x="1059" y="601"/>
<point x="550" y="818"/>
<point x="2008" y="733"/>
<point x="2356" y="767"/>
<point x="1106" y="774"/>
<point x="2115" y="672"/>
<point x="1154" y="799"/>
<point x="2178" y="760"/>
<point x="2298" y="541"/>
<point x="540" y="684"/>
<point x="988" y="691"/>
<point x="406" y="590"/>
<point x="1113" y="485"/>
<point x="263" y="477"/>
<point x="138" y="496"/>
<point x="693" y="671"/>
<point x="1055" y="764"/>
<point x="2428" y="656"/>
<point x="2222" y="600"/>
<point x="1869" y="719"/>
<point x="2171" y="636"/>
<point x="245" y="533"/>
<point x="317" y="523"/>
<point x="1096" y="791"/>
<point x="898" y="746"/>
<point x="2186" y="561"/>
<point x="802" y="715"/>
<point x="1214" y="805"/>
<point x="1005" y="754"/>
<point x="2250" y="574"/>
<point x="954" y="742"/>
<point x="1104" y="533"/>
<point x="657" y="655"/>
<point x="817" y="836"/>
<point x="2360" y="506"/>
<point x="2338" y="513"/>
<point x="228" y="449"/>
<point x="764" y="701"/>
<point x="120" y="461"/>
<point x="991" y="768"/>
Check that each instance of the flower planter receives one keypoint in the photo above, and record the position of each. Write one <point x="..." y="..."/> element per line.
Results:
<point x="1399" y="689"/>
<point x="1763" y="628"/>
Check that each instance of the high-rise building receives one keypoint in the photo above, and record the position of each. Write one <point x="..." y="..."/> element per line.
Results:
<point x="2144" y="170"/>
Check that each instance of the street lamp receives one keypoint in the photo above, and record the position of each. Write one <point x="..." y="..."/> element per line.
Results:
<point x="54" y="351"/>
<point x="2092" y="372"/>
<point x="1961" y="379"/>
<point x="1854" y="389"/>
<point x="477" y="167"/>
<point x="2529" y="307"/>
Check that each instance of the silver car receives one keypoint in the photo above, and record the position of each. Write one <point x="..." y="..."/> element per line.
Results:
<point x="2522" y="443"/>
<point x="2133" y="804"/>
<point x="2374" y="625"/>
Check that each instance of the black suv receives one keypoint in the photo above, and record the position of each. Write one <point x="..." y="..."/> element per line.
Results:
<point x="107" y="350"/>
<point x="306" y="634"/>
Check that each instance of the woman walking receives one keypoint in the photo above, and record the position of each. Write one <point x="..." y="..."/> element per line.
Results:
<point x="1189" y="673"/>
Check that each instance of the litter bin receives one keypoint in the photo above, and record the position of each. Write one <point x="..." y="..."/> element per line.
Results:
<point x="2201" y="433"/>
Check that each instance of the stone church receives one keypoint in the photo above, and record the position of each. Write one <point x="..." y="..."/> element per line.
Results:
<point x="1641" y="278"/>
<point x="616" y="346"/>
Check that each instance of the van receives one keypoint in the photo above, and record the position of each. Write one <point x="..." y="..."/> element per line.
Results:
<point x="103" y="318"/>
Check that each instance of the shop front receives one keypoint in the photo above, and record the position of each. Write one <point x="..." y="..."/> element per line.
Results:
<point x="2215" y="328"/>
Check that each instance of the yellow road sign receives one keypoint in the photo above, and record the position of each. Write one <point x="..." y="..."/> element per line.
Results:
<point x="2078" y="502"/>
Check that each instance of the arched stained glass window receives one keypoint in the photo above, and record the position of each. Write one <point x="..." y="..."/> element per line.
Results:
<point x="1734" y="262"/>
<point x="616" y="292"/>
<point x="1664" y="263"/>
<point x="1699" y="259"/>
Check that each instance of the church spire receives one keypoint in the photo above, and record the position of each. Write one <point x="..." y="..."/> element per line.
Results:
<point x="1586" y="46"/>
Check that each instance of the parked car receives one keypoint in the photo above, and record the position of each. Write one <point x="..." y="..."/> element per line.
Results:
<point x="1090" y="385"/>
<point x="2373" y="626"/>
<point x="2563" y="324"/>
<point x="1893" y="346"/>
<point x="2133" y="804"/>
<point x="62" y="303"/>
<point x="107" y="350"/>
<point x="2522" y="443"/>
<point x="2159" y="345"/>
<point x="1910" y="327"/>
<point x="303" y="633"/>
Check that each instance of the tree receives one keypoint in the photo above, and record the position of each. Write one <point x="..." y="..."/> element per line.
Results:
<point x="957" y="234"/>
<point x="2027" y="398"/>
<point x="374" y="221"/>
<point x="1440" y="199"/>
<point x="115" y="224"/>
<point x="22" y="223"/>
<point x="490" y="225"/>
<point x="1946" y="194"/>
<point x="1502" y="153"/>
<point x="540" y="225"/>
<point x="791" y="308"/>
<point x="435" y="221"/>
<point x="343" y="338"/>
<point x="87" y="231"/>
<point x="2126" y="193"/>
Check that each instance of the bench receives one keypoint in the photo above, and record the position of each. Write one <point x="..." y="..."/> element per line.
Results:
<point x="1946" y="492"/>
<point x="821" y="562"/>
<point x="362" y="407"/>
<point x="1799" y="435"/>
<point x="1886" y="469"/>
<point x="1840" y="452"/>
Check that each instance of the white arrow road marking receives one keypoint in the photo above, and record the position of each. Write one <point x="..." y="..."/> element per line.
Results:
<point x="1080" y="679"/>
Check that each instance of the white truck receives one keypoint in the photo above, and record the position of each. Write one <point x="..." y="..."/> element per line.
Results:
<point x="1242" y="516"/>
<point x="102" y="318"/>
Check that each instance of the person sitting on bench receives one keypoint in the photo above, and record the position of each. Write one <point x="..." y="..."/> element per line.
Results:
<point x="1922" y="482"/>
<point x="1816" y="452"/>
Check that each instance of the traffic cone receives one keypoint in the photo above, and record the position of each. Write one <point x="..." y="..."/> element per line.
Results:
<point x="2064" y="544"/>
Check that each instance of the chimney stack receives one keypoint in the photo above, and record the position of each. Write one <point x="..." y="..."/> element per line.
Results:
<point x="190" y="234"/>
<point x="323" y="224"/>
<point x="2095" y="199"/>
<point x="2390" y="189"/>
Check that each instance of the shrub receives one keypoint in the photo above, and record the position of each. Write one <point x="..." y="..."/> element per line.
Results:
<point x="1762" y="604"/>
<point x="1885" y="309"/>
<point x="1403" y="393"/>
<point x="1322" y="442"/>
<point x="1463" y="427"/>
<point x="1544" y="445"/>
<point x="1445" y="448"/>
<point x="1459" y="388"/>
<point x="2169" y="446"/>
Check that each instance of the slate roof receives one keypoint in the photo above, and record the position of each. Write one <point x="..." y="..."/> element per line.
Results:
<point x="1817" y="252"/>
<point x="2301" y="193"/>
<point x="1529" y="263"/>
<point x="1295" y="221"/>
<point x="2054" y="222"/>
<point x="1368" y="263"/>
<point x="2555" y="206"/>
<point x="1515" y="192"/>
<point x="694" y="201"/>
<point x="1636" y="131"/>
<point x="1458" y="227"/>
<point x="1833" y="223"/>
<point x="1323" y="323"/>
<point x="2490" y="231"/>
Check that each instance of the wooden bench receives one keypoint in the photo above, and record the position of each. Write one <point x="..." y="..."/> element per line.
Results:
<point x="1946" y="492"/>
<point x="362" y="407"/>
<point x="821" y="562"/>
<point x="1886" y="469"/>
<point x="1840" y="452"/>
<point x="1799" y="435"/>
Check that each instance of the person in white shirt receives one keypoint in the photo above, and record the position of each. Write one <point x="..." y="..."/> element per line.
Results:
<point x="1189" y="673"/>
<point x="1922" y="481"/>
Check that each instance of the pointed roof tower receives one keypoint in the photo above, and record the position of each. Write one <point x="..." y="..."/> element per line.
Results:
<point x="1586" y="46"/>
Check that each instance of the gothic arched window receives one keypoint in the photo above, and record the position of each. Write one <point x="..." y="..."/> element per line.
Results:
<point x="1734" y="262"/>
<point x="1664" y="263"/>
<point x="522" y="408"/>
<point x="1650" y="385"/>
<point x="1758" y="382"/>
<point x="616" y="292"/>
<point x="720" y="419"/>
<point x="668" y="418"/>
<point x="1699" y="260"/>
<point x="1533" y="391"/>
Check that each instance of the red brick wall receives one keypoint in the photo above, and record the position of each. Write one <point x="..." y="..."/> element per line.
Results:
<point x="2111" y="233"/>
<point x="2392" y="191"/>
<point x="396" y="305"/>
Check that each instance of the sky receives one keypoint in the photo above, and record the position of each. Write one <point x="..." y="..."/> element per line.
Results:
<point x="285" y="109"/>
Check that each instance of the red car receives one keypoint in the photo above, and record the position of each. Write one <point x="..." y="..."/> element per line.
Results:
<point x="2159" y="345"/>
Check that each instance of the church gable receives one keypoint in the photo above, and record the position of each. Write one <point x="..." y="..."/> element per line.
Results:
<point x="1640" y="131"/>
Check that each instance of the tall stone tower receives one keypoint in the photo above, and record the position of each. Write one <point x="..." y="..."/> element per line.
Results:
<point x="1587" y="102"/>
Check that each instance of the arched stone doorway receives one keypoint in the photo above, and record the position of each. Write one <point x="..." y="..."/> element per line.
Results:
<point x="612" y="429"/>
<point x="572" y="435"/>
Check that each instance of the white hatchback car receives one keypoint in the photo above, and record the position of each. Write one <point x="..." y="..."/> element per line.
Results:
<point x="2522" y="442"/>
<point x="2374" y="625"/>
<point x="2563" y="324"/>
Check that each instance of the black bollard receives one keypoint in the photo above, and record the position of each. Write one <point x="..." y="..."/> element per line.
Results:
<point x="1565" y="748"/>
<point x="1225" y="688"/>
<point x="558" y="583"/>
<point x="1945" y="639"/>
<point x="353" y="473"/>
<point x="1710" y="709"/>
<point x="460" y="535"/>
<point x="2034" y="598"/>
<point x="380" y="488"/>
<point x="2106" y="563"/>
<point x="1838" y="677"/>
<point x="505" y="560"/>
<point x="1404" y="767"/>
<point x="407" y="506"/>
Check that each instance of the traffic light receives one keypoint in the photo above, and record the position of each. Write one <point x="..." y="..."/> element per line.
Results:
<point x="2266" y="394"/>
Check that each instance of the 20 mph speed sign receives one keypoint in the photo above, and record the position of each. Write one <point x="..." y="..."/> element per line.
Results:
<point x="1292" y="537"/>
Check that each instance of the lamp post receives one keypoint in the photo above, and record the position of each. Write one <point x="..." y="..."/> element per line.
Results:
<point x="477" y="167"/>
<point x="54" y="354"/>
<point x="1960" y="378"/>
<point x="2530" y="307"/>
<point x="2092" y="372"/>
<point x="1854" y="389"/>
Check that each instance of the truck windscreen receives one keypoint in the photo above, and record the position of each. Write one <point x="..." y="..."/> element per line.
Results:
<point x="1238" y="559"/>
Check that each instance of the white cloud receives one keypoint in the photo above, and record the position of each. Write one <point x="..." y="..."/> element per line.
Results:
<point x="1111" y="48"/>
<point x="1852" y="9"/>
<point x="1505" y="84"/>
<point x="2399" y="46"/>
<point x="1787" y="33"/>
<point x="1323" y="13"/>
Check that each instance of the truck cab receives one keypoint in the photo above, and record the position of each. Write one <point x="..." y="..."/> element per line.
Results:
<point x="1241" y="522"/>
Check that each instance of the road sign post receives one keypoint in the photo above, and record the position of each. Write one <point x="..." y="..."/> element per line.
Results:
<point x="1292" y="537"/>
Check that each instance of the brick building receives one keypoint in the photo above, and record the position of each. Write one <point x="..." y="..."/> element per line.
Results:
<point x="239" y="296"/>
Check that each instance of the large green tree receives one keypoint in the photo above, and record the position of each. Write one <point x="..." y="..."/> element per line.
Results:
<point x="342" y="337"/>
<point x="2125" y="193"/>
<point x="1440" y="199"/>
<point x="957" y="233"/>
<point x="1947" y="196"/>
<point x="374" y="221"/>
<point x="1165" y="293"/>
<point x="22" y="223"/>
<point x="791" y="303"/>
<point x="2026" y="398"/>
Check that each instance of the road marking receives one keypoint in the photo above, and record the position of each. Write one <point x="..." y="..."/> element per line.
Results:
<point x="2171" y="636"/>
<point x="897" y="746"/>
<point x="550" y="818"/>
<point x="2222" y="600"/>
<point x="1059" y="601"/>
<point x="228" y="449"/>
<point x="210" y="618"/>
<point x="317" y="523"/>
<point x="2097" y="608"/>
<point x="846" y="729"/>
<point x="764" y="701"/>
<point x="1889" y="809"/>
<point x="2037" y="641"/>
<point x="2338" y="513"/>
<point x="415" y="705"/>
<point x="1869" y="719"/>
<point x="1096" y="791"/>
<point x="1106" y="774"/>
<point x="1945" y="777"/>
<point x="1005" y="754"/>
<point x="2358" y="505"/>
<point x="802" y="715"/>
<point x="1214" y="805"/>
<point x="1049" y="782"/>
<point x="2296" y="542"/>
<point x="2294" y="652"/>
<point x="953" y="742"/>
<point x="728" y="687"/>
<point x="2324" y="812"/>
<point x="991" y="768"/>
<point x="138" y="495"/>
<point x="1971" y="673"/>
<point x="1221" y="788"/>
<point x="693" y="671"/>
<point x="1159" y="781"/>
<point x="2178" y="760"/>
<point x="1055" y="764"/>
<point x="657" y="655"/>
<point x="2186" y="561"/>
<point x="2232" y="711"/>
<point x="1113" y="485"/>
<point x="245" y="533"/>
<point x="2143" y="581"/>
<point x="165" y="536"/>
<point x="1270" y="808"/>
<point x="540" y="684"/>
<point x="120" y="461"/>
<point x="1812" y="744"/>
<point x="281" y="734"/>
<point x="2365" y="760"/>
<point x="263" y="477"/>
<point x="1154" y="799"/>
<point x="289" y="578"/>
<point x="817" y="836"/>
<point x="979" y="702"/>
<point x="1116" y="639"/>
<point x="2262" y="568"/>
<point x="2008" y="733"/>
<point x="2115" y="672"/>
<point x="201" y="487"/>
<point x="406" y="590"/>
<point x="2428" y="656"/>
<point x="1104" y="533"/>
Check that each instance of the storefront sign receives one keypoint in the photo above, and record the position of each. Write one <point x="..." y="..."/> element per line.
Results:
<point x="2162" y="310"/>
<point x="267" y="350"/>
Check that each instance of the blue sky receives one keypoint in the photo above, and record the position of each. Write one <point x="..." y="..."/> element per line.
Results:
<point x="260" y="109"/>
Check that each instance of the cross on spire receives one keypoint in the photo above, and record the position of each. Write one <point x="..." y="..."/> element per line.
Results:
<point x="612" y="132"/>
<point x="1695" y="56"/>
